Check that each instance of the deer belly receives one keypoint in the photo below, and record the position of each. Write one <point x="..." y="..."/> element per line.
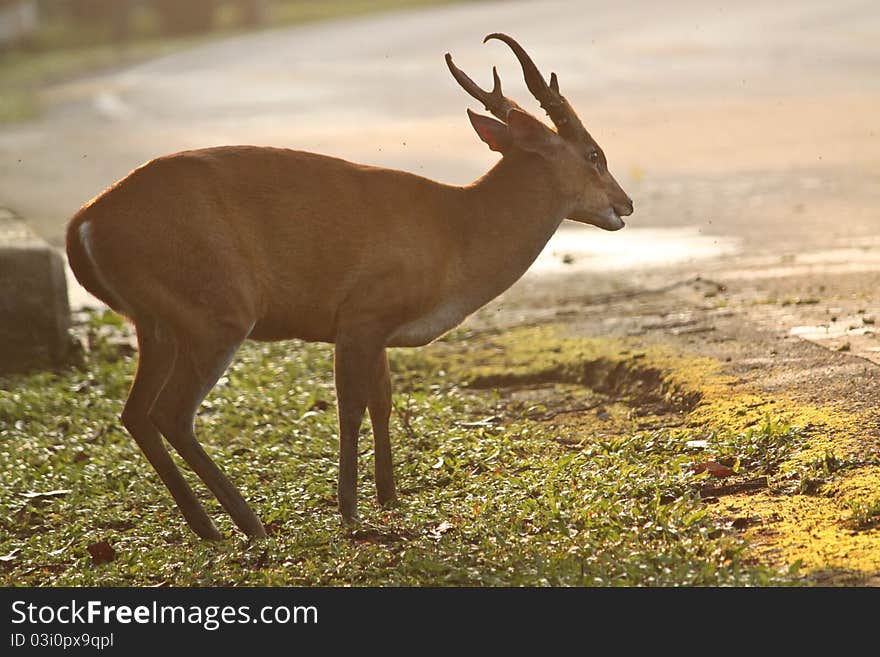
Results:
<point x="429" y="327"/>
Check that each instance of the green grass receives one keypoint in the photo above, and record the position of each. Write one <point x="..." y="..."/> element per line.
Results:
<point x="61" y="51"/>
<point x="865" y="515"/>
<point x="519" y="503"/>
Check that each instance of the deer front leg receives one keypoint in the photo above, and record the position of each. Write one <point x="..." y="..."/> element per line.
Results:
<point x="354" y="369"/>
<point x="380" y="411"/>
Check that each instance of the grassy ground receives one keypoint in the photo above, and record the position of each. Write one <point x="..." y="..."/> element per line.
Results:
<point x="521" y="459"/>
<point x="62" y="51"/>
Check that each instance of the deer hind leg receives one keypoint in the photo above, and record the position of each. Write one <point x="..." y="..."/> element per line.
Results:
<point x="380" y="411"/>
<point x="157" y="352"/>
<point x="203" y="356"/>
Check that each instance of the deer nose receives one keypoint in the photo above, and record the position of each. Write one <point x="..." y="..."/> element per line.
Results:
<point x="624" y="209"/>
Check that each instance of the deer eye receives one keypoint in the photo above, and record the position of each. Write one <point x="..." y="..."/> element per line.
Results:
<point x="593" y="157"/>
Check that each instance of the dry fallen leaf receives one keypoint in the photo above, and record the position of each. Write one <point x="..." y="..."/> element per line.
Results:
<point x="101" y="552"/>
<point x="59" y="551"/>
<point x="485" y="422"/>
<point x="441" y="529"/>
<point x="714" y="469"/>
<point x="34" y="495"/>
<point x="11" y="556"/>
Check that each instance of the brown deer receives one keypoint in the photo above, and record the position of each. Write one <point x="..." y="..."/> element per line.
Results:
<point x="206" y="248"/>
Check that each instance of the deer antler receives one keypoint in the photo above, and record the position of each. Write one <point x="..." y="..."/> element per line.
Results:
<point x="557" y="107"/>
<point x="494" y="101"/>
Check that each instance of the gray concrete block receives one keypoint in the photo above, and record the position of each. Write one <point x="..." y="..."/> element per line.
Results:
<point x="34" y="310"/>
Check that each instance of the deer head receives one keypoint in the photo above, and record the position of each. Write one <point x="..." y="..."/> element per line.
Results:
<point x="591" y="193"/>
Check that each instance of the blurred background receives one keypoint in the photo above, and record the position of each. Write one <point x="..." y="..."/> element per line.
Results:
<point x="746" y="132"/>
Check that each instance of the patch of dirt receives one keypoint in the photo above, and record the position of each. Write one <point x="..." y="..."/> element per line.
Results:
<point x="642" y="387"/>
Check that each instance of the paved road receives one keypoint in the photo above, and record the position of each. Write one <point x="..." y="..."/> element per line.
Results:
<point x="706" y="100"/>
<point x="745" y="131"/>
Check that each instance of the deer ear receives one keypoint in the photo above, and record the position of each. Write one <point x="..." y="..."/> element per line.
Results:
<point x="494" y="133"/>
<point x="529" y="133"/>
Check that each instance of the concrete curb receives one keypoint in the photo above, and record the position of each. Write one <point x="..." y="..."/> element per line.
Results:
<point x="34" y="308"/>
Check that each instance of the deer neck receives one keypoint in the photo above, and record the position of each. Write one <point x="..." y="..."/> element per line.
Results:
<point x="510" y="214"/>
<point x="496" y="227"/>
